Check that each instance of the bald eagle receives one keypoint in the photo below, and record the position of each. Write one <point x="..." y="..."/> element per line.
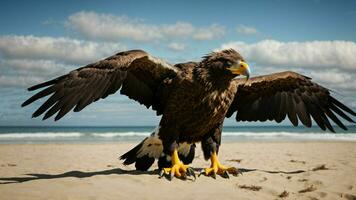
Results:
<point x="194" y="98"/>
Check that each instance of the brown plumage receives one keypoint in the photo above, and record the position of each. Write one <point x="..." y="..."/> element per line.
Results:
<point x="287" y="94"/>
<point x="193" y="99"/>
<point x="138" y="77"/>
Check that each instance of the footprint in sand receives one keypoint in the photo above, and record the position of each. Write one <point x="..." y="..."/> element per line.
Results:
<point x="316" y="182"/>
<point x="311" y="188"/>
<point x="320" y="167"/>
<point x="284" y="194"/>
<point x="234" y="160"/>
<point x="323" y="194"/>
<point x="298" y="161"/>
<point x="250" y="187"/>
<point x="348" y="196"/>
<point x="263" y="179"/>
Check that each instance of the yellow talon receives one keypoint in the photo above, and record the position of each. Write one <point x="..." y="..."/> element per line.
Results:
<point x="178" y="169"/>
<point x="217" y="168"/>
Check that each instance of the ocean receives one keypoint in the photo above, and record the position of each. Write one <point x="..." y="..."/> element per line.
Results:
<point x="27" y="135"/>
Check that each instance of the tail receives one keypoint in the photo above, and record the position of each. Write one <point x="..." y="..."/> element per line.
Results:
<point x="145" y="153"/>
<point x="151" y="148"/>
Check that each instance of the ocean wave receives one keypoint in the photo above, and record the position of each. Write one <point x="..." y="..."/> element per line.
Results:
<point x="121" y="134"/>
<point x="292" y="135"/>
<point x="137" y="134"/>
<point x="39" y="135"/>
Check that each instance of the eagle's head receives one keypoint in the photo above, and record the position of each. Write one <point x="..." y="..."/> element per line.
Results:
<point x="225" y="64"/>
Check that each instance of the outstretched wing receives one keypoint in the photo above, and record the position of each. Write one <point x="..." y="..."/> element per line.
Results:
<point x="138" y="74"/>
<point x="275" y="96"/>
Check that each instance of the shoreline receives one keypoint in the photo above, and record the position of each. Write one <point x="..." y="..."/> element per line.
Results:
<point x="135" y="142"/>
<point x="299" y="170"/>
<point x="135" y="134"/>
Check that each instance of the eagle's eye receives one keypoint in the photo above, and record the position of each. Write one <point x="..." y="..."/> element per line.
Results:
<point x="240" y="63"/>
<point x="229" y="63"/>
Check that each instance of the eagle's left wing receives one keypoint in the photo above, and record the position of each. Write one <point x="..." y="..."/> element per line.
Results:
<point x="139" y="75"/>
<point x="275" y="96"/>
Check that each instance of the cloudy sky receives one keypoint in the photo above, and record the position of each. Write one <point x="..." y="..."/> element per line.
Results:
<point x="40" y="40"/>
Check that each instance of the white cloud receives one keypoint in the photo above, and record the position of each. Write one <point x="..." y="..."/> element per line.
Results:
<point x="316" y="54"/>
<point x="112" y="28"/>
<point x="62" y="49"/>
<point x="176" y="46"/>
<point x="40" y="66"/>
<point x="246" y="30"/>
<point x="18" y="81"/>
<point x="27" y="60"/>
<point x="333" y="76"/>
<point x="335" y="79"/>
<point x="209" y="33"/>
<point x="179" y="29"/>
<point x="26" y="72"/>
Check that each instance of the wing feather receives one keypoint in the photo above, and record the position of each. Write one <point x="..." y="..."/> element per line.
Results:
<point x="315" y="113"/>
<point x="50" y="101"/>
<point x="276" y="96"/>
<point x="282" y="108"/>
<point x="342" y="106"/>
<point x="291" y="112"/>
<point x="342" y="114"/>
<point x="138" y="74"/>
<point x="53" y="110"/>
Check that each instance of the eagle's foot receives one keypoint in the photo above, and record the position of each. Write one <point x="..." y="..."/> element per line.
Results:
<point x="221" y="170"/>
<point x="178" y="169"/>
<point x="217" y="168"/>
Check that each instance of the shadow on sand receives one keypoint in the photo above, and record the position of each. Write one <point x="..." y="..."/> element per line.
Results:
<point x="117" y="171"/>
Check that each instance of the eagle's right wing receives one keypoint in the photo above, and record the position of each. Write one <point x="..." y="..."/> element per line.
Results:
<point x="138" y="74"/>
<point x="275" y="96"/>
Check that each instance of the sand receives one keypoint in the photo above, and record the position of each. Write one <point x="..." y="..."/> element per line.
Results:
<point x="271" y="170"/>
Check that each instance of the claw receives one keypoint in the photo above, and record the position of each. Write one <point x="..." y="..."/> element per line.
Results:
<point x="225" y="175"/>
<point x="213" y="175"/>
<point x="171" y="175"/>
<point x="184" y="176"/>
<point x="161" y="173"/>
<point x="191" y="172"/>
<point x="202" y="172"/>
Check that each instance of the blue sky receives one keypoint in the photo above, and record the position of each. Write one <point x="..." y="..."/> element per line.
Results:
<point x="42" y="39"/>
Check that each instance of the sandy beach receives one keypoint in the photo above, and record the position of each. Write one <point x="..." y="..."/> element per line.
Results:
<point x="271" y="170"/>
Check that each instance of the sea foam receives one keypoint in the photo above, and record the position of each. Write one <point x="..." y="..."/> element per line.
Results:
<point x="124" y="136"/>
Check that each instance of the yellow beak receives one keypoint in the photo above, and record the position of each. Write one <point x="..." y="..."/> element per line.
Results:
<point x="241" y="68"/>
